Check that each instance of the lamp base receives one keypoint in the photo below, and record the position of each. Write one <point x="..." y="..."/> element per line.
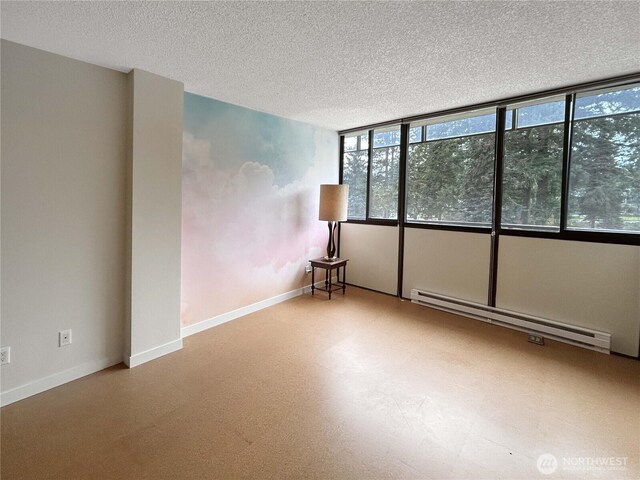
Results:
<point x="331" y="245"/>
<point x="327" y="258"/>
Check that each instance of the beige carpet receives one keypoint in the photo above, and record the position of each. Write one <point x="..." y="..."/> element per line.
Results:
<point x="363" y="386"/>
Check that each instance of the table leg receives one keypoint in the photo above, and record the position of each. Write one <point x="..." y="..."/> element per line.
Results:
<point x="313" y="279"/>
<point x="344" y="278"/>
<point x="329" y="272"/>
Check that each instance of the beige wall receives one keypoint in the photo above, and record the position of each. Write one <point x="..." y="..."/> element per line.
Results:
<point x="449" y="263"/>
<point x="585" y="284"/>
<point x="593" y="285"/>
<point x="373" y="254"/>
<point x="63" y="214"/>
<point x="90" y="217"/>
<point x="156" y="203"/>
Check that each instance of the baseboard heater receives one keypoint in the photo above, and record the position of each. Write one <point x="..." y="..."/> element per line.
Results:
<point x="561" y="332"/>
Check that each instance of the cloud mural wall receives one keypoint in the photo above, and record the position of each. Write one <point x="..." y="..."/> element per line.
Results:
<point x="250" y="187"/>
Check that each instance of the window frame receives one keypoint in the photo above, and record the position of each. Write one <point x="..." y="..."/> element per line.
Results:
<point x="452" y="225"/>
<point x="358" y="134"/>
<point x="570" y="94"/>
<point x="613" y="235"/>
<point x="512" y="110"/>
<point x="368" y="220"/>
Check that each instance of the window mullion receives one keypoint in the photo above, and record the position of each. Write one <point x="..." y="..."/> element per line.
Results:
<point x="496" y="217"/>
<point x="402" y="201"/>
<point x="368" y="202"/>
<point x="341" y="153"/>
<point x="569" y="109"/>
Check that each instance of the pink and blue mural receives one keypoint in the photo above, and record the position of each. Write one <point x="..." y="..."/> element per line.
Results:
<point x="250" y="187"/>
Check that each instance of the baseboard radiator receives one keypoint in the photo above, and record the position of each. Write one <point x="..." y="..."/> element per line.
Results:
<point x="561" y="332"/>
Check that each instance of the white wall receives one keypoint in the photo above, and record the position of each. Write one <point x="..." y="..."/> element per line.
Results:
<point x="63" y="214"/>
<point x="90" y="218"/>
<point x="593" y="285"/>
<point x="156" y="209"/>
<point x="373" y="256"/>
<point x="450" y="263"/>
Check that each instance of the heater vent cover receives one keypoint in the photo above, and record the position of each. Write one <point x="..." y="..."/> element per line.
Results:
<point x="551" y="329"/>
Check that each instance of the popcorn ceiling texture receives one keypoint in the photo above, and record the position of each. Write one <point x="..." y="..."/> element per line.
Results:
<point x="343" y="64"/>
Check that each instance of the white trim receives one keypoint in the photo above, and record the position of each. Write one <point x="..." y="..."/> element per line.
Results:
<point x="55" y="380"/>
<point x="66" y="376"/>
<point x="241" y="312"/>
<point x="152" y="353"/>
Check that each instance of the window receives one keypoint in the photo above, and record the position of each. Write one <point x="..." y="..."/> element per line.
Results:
<point x="450" y="173"/>
<point x="570" y="167"/>
<point x="457" y="127"/>
<point x="604" y="175"/>
<point x="382" y="169"/>
<point x="532" y="168"/>
<point x="354" y="173"/>
<point x="415" y="134"/>
<point x="383" y="199"/>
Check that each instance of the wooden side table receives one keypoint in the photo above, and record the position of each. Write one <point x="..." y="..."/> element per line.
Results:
<point x="329" y="266"/>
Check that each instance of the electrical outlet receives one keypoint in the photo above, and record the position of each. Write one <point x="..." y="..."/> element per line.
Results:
<point x="537" y="339"/>
<point x="307" y="268"/>
<point x="5" y="355"/>
<point x="64" y="338"/>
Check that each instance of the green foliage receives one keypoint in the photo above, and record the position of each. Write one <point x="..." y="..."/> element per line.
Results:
<point x="532" y="177"/>
<point x="354" y="174"/>
<point x="383" y="202"/>
<point x="451" y="179"/>
<point x="605" y="173"/>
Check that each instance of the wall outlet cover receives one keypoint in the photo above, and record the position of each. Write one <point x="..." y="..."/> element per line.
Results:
<point x="5" y="355"/>
<point x="64" y="338"/>
<point x="537" y="339"/>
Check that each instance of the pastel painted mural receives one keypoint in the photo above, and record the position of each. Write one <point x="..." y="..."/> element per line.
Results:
<point x="250" y="188"/>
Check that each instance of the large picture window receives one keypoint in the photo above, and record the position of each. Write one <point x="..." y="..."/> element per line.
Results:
<point x="565" y="165"/>
<point x="604" y="181"/>
<point x="450" y="170"/>
<point x="532" y="171"/>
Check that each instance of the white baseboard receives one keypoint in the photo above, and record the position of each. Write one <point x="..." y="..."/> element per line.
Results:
<point x="60" y="378"/>
<point x="152" y="353"/>
<point x="241" y="312"/>
<point x="55" y="380"/>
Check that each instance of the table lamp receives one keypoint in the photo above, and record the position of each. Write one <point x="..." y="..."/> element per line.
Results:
<point x="333" y="209"/>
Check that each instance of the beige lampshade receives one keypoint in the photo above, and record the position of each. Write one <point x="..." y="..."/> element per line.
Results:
<point x="333" y="202"/>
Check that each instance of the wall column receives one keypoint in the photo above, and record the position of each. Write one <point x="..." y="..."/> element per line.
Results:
<point x="155" y="208"/>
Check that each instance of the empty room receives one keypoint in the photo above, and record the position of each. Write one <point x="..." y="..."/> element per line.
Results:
<point x="320" y="239"/>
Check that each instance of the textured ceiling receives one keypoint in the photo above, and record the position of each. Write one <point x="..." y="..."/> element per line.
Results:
<point x="346" y="64"/>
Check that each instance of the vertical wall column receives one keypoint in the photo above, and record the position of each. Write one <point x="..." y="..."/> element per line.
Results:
<point x="155" y="208"/>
